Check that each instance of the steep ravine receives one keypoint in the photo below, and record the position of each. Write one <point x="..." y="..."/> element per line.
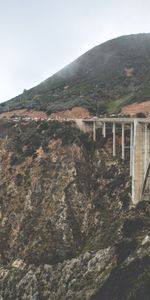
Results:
<point x="67" y="227"/>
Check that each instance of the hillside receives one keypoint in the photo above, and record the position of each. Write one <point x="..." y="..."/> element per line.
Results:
<point x="103" y="79"/>
<point x="67" y="230"/>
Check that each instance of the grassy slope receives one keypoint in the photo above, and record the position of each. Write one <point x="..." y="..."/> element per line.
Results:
<point x="96" y="80"/>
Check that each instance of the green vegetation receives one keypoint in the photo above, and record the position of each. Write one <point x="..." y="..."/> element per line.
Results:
<point x="36" y="134"/>
<point x="143" y="92"/>
<point x="141" y="288"/>
<point x="129" y="282"/>
<point x="116" y="104"/>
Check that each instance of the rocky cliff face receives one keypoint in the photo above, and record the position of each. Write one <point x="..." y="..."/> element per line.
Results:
<point x="67" y="229"/>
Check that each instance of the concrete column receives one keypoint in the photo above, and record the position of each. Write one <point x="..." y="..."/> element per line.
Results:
<point x="145" y="146"/>
<point x="131" y="147"/>
<point x="104" y="130"/>
<point x="138" y="162"/>
<point x="148" y="158"/>
<point x="133" y="160"/>
<point x="146" y="194"/>
<point x="114" y="139"/>
<point x="123" y="147"/>
<point x="94" y="131"/>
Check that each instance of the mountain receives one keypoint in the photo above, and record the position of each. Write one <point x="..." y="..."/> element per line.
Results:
<point x="103" y="79"/>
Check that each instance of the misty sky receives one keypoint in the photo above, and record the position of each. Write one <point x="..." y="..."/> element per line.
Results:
<point x="39" y="37"/>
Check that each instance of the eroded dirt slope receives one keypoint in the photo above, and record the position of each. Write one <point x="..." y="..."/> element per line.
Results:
<point x="76" y="112"/>
<point x="134" y="108"/>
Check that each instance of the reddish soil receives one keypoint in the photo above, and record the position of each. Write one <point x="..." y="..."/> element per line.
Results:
<point x="76" y="112"/>
<point x="136" y="108"/>
<point x="23" y="112"/>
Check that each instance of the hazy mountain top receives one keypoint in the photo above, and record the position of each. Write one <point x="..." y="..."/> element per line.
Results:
<point x="103" y="79"/>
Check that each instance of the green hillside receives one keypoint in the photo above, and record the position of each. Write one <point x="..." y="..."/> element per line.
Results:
<point x="103" y="79"/>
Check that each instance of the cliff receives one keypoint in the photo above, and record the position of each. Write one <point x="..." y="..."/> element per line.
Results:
<point x="67" y="227"/>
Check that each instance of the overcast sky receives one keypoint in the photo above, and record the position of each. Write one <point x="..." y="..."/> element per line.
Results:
<point x="39" y="37"/>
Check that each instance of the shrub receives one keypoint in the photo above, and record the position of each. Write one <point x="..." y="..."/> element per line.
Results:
<point x="131" y="226"/>
<point x="124" y="249"/>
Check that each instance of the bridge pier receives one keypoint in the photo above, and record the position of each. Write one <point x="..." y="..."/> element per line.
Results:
<point x="104" y="130"/>
<point x="122" y="144"/>
<point x="131" y="147"/>
<point x="114" y="139"/>
<point x="94" y="131"/>
<point x="146" y="182"/>
<point x="141" y="152"/>
<point x="146" y="147"/>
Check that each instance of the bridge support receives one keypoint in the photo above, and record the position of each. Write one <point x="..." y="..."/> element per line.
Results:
<point x="146" y="185"/>
<point x="114" y="139"/>
<point x="131" y="147"/>
<point x="94" y="131"/>
<point x="140" y="154"/>
<point x="104" y="130"/>
<point x="123" y="153"/>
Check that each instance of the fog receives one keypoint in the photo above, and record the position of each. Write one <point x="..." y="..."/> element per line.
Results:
<point x="38" y="38"/>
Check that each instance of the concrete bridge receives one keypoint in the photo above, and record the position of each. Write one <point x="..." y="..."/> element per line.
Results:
<point x="139" y="148"/>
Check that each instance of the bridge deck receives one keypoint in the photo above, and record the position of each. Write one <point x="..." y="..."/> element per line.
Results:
<point x="118" y="120"/>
